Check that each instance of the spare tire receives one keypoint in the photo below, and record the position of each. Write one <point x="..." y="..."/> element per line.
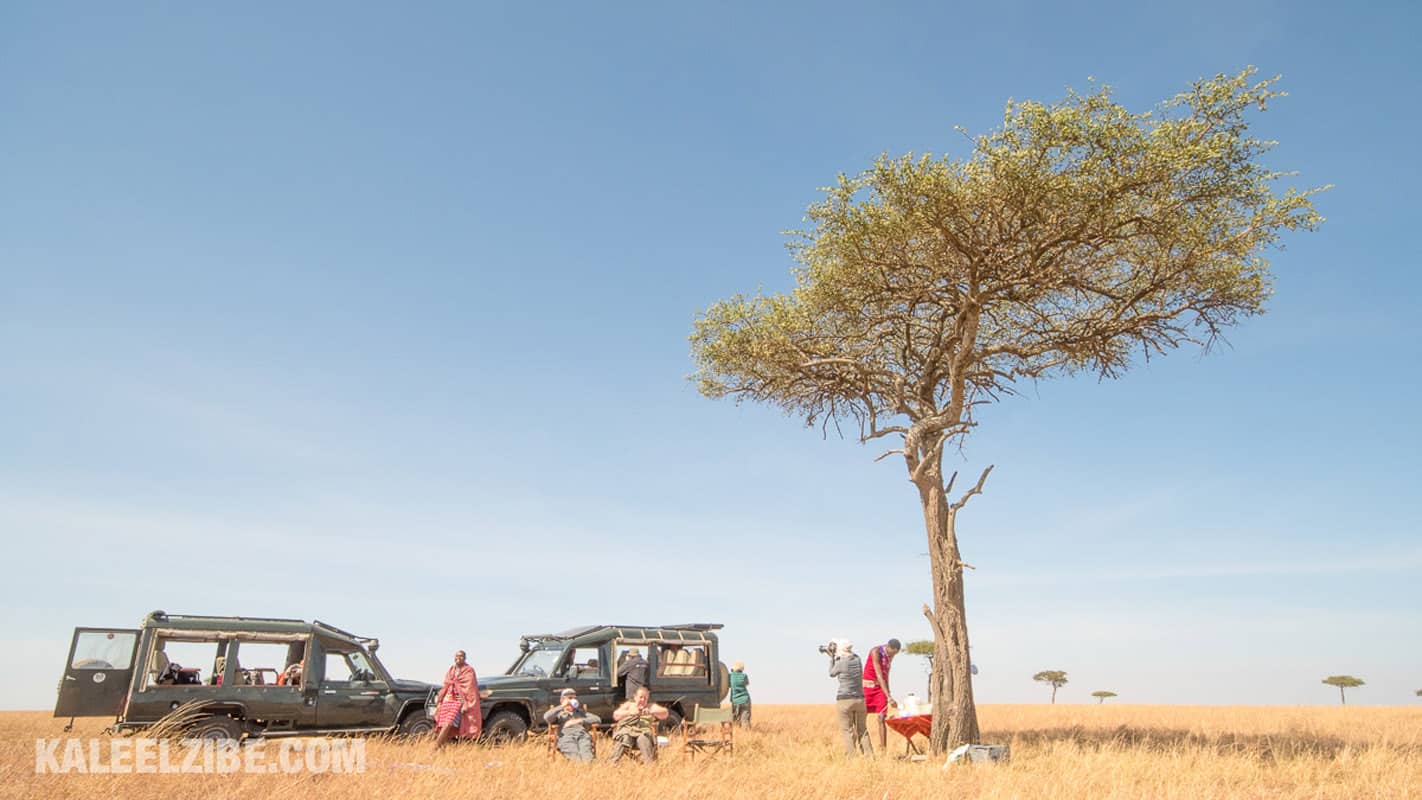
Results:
<point x="725" y="676"/>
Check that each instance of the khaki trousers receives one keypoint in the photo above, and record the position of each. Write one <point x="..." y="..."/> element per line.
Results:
<point x="851" y="716"/>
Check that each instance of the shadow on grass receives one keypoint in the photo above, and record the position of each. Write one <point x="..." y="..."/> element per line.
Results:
<point x="1264" y="747"/>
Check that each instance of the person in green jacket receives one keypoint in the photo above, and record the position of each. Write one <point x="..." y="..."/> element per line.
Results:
<point x="740" y="695"/>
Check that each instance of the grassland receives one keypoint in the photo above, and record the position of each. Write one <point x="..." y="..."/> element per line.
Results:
<point x="1088" y="751"/>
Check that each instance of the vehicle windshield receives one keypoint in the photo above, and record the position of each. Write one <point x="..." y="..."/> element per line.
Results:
<point x="538" y="663"/>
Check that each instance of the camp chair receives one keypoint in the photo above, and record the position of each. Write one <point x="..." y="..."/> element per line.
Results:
<point x="550" y="737"/>
<point x="721" y="717"/>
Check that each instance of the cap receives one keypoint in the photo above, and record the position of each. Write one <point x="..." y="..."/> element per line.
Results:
<point x="568" y="691"/>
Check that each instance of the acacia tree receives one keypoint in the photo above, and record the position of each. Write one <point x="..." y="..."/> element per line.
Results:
<point x="1101" y="696"/>
<point x="1074" y="237"/>
<point x="1343" y="682"/>
<point x="1053" y="677"/>
<point x="923" y="647"/>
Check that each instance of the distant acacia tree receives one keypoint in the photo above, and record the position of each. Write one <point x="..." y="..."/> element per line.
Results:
<point x="1077" y="237"/>
<point x="1101" y="696"/>
<point x="923" y="647"/>
<point x="1419" y="692"/>
<point x="1343" y="682"/>
<point x="1055" y="677"/>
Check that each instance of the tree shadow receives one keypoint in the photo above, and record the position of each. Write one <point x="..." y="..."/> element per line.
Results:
<point x="1263" y="747"/>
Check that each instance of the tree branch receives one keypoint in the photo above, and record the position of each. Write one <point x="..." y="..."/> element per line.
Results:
<point x="978" y="489"/>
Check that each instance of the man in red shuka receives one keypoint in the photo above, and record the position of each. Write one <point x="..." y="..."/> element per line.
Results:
<point x="876" y="688"/>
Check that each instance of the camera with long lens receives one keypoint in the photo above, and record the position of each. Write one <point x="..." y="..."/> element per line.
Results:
<point x="828" y="649"/>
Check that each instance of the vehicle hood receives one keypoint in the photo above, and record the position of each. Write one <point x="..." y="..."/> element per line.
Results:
<point x="402" y="685"/>
<point x="495" y="682"/>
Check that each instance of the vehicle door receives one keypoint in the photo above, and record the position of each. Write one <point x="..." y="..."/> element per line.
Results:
<point x="98" y="673"/>
<point x="352" y="691"/>
<point x="586" y="671"/>
<point x="263" y="685"/>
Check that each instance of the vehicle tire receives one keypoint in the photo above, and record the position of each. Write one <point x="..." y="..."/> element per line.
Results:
<point x="416" y="723"/>
<point x="671" y="724"/>
<point x="216" y="728"/>
<point x="504" y="727"/>
<point x="725" y="676"/>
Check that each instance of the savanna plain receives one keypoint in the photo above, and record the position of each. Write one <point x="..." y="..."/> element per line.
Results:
<point x="1063" y="751"/>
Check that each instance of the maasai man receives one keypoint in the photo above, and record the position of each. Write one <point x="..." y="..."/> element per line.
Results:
<point x="457" y="712"/>
<point x="876" y="688"/>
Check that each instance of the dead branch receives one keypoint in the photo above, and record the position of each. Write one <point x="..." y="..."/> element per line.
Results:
<point x="962" y="501"/>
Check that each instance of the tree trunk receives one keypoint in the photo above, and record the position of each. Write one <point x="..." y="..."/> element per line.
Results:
<point x="955" y="716"/>
<point x="1054" y="694"/>
<point x="1101" y="700"/>
<point x="1341" y="697"/>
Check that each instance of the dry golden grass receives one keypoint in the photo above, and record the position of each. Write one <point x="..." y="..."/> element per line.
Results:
<point x="1111" y="751"/>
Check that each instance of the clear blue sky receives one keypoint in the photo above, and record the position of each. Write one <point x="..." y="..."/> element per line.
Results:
<point x="380" y="316"/>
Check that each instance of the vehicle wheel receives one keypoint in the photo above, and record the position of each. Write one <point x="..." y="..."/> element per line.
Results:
<point x="504" y="727"/>
<point x="671" y="724"/>
<point x="417" y="723"/>
<point x="725" y="676"/>
<point x="216" y="728"/>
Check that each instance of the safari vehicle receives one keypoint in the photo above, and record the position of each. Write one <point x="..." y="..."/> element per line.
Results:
<point x="684" y="670"/>
<point x="252" y="675"/>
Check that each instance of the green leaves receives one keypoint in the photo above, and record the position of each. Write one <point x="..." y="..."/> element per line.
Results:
<point x="1078" y="236"/>
<point x="1054" y="677"/>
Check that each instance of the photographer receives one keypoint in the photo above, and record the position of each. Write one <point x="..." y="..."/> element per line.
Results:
<point x="849" y="696"/>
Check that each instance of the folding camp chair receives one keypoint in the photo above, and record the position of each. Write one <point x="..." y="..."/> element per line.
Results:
<point x="721" y="718"/>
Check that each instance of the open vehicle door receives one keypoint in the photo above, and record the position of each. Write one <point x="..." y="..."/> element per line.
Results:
<point x="98" y="673"/>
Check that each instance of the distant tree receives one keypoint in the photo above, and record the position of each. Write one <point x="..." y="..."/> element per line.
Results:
<point x="1055" y="677"/>
<point x="1077" y="237"/>
<point x="1343" y="682"/>
<point x="1102" y="696"/>
<point x="923" y="647"/>
<point x="1419" y="692"/>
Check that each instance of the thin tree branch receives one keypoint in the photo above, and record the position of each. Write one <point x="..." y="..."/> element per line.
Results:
<point x="962" y="501"/>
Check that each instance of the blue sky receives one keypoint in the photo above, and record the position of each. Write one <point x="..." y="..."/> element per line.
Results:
<point x="380" y="317"/>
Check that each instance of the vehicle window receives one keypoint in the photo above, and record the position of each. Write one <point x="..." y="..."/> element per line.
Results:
<point x="103" y="650"/>
<point x="585" y="662"/>
<point x="682" y="661"/>
<point x="270" y="663"/>
<point x="188" y="663"/>
<point x="338" y="669"/>
<point x="540" y="663"/>
<point x="361" y="668"/>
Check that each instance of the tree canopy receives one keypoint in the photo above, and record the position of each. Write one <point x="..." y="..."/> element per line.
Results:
<point x="922" y="647"/>
<point x="1102" y="695"/>
<point x="1343" y="682"/>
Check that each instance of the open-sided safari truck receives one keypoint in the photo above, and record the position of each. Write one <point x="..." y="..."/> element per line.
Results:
<point x="251" y="675"/>
<point x="683" y="671"/>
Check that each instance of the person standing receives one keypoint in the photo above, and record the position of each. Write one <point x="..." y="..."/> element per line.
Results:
<point x="740" y="695"/>
<point x="457" y="712"/>
<point x="877" y="697"/>
<point x="574" y="724"/>
<point x="849" y="697"/>
<point x="632" y="672"/>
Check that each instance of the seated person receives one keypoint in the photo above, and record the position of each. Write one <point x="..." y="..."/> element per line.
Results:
<point x="636" y="726"/>
<point x="159" y="667"/>
<point x="573" y="722"/>
<point x="219" y="669"/>
<point x="291" y="676"/>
